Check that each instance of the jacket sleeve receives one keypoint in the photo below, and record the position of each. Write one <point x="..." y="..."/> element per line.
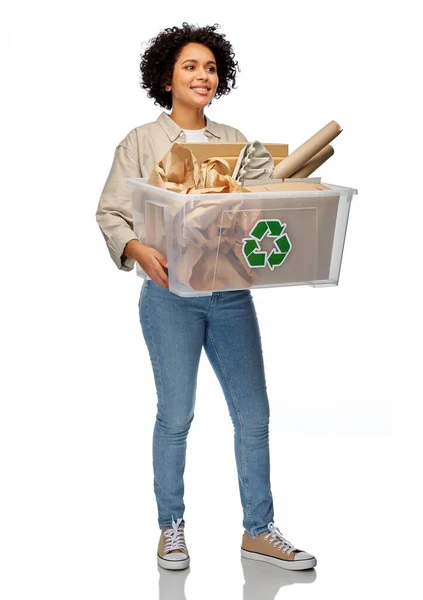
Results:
<point x="114" y="211"/>
<point x="240" y="137"/>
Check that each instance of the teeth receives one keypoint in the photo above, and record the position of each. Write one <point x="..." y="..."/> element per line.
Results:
<point x="200" y="88"/>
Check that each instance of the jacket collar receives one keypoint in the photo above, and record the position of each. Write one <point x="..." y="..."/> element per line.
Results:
<point x="173" y="131"/>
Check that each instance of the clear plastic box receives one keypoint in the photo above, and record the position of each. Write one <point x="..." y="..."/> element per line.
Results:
<point x="221" y="242"/>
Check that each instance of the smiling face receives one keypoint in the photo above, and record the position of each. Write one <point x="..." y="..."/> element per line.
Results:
<point x="195" y="80"/>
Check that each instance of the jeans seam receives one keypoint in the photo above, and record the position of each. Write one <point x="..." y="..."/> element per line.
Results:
<point x="212" y="301"/>
<point x="155" y="363"/>
<point x="233" y="396"/>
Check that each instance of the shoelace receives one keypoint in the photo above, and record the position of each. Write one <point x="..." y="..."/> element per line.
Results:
<point x="175" y="537"/>
<point x="278" y="539"/>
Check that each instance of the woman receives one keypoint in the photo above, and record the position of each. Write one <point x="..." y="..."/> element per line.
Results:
<point x="183" y="69"/>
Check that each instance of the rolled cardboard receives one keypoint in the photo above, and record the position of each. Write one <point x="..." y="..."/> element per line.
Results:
<point x="314" y="163"/>
<point x="295" y="161"/>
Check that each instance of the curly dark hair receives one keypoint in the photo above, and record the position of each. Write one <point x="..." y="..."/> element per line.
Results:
<point x="158" y="60"/>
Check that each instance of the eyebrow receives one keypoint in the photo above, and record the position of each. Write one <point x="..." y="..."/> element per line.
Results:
<point x="196" y="61"/>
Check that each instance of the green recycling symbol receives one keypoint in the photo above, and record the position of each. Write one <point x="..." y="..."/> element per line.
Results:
<point x="251" y="249"/>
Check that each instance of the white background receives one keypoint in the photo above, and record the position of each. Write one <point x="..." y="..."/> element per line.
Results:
<point x="343" y="364"/>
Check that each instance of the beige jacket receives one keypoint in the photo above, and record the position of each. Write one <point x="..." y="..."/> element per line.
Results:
<point x="135" y="156"/>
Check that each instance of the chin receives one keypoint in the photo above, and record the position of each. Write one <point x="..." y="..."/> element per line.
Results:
<point x="201" y="99"/>
<point x="201" y="103"/>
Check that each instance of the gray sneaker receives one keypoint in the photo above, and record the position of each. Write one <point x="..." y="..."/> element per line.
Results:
<point x="172" y="552"/>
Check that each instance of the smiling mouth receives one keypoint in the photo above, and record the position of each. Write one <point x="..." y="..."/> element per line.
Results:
<point x="201" y="89"/>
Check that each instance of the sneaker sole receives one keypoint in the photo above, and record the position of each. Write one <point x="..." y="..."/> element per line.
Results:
<point x="290" y="565"/>
<point x="173" y="565"/>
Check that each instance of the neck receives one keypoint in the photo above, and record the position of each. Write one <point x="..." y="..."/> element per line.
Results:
<point x="188" y="117"/>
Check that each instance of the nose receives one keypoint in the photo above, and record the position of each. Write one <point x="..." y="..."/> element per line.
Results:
<point x="202" y="73"/>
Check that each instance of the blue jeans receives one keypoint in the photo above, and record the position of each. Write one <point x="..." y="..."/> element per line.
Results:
<point x="175" y="330"/>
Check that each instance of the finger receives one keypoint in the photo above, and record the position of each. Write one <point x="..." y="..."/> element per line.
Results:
<point x="164" y="275"/>
<point x="162" y="279"/>
<point x="160" y="259"/>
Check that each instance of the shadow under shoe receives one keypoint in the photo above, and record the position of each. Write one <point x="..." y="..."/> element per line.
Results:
<point x="172" y="552"/>
<point x="262" y="581"/>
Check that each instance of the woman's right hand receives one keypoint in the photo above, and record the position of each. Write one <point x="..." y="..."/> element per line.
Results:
<point x="154" y="264"/>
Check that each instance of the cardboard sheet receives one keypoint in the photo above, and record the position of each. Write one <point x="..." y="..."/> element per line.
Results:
<point x="311" y="223"/>
<point x="287" y="186"/>
<point x="230" y="151"/>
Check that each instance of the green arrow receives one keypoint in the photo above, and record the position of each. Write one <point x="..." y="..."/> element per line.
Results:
<point x="276" y="258"/>
<point x="283" y="243"/>
<point x="252" y="251"/>
<point x="259" y="230"/>
<point x="276" y="228"/>
<point x="250" y="246"/>
<point x="257" y="259"/>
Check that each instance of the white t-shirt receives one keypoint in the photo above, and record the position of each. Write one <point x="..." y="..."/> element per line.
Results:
<point x="195" y="135"/>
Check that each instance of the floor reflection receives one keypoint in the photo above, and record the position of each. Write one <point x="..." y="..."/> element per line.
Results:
<point x="172" y="584"/>
<point x="262" y="581"/>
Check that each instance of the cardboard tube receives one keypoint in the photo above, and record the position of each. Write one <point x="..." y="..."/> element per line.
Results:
<point x="292" y="163"/>
<point x="314" y="163"/>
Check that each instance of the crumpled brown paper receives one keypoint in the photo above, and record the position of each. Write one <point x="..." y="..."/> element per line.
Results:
<point x="176" y="171"/>
<point x="206" y="240"/>
<point x="179" y="171"/>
